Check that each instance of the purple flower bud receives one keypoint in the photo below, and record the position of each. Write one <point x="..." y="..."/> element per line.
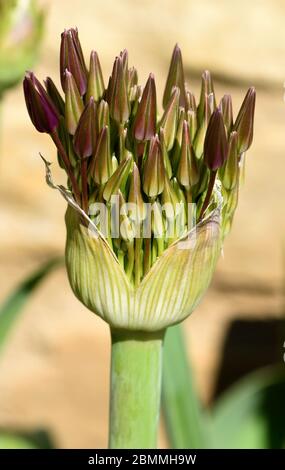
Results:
<point x="54" y="95"/>
<point x="145" y="120"/>
<point x="85" y="134"/>
<point x="41" y="109"/>
<point x="71" y="58"/>
<point x="216" y="144"/>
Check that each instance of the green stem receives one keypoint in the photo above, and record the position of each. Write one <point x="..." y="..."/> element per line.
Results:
<point x="135" y="389"/>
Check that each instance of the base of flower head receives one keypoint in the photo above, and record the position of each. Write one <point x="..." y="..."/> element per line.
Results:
<point x="165" y="295"/>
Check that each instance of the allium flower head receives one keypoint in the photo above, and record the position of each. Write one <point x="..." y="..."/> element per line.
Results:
<point x="151" y="191"/>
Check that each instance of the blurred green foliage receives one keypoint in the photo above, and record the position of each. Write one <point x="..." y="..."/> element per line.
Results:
<point x="21" y="29"/>
<point x="10" y="311"/>
<point x="250" y="414"/>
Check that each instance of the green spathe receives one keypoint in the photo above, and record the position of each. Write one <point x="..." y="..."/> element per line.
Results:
<point x="167" y="294"/>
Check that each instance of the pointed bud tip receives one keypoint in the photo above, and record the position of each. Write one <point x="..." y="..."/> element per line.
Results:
<point x="177" y="49"/>
<point x="206" y="74"/>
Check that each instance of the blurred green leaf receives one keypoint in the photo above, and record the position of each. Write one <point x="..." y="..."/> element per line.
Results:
<point x="252" y="413"/>
<point x="21" y="31"/>
<point x="185" y="421"/>
<point x="13" y="441"/>
<point x="17" y="439"/>
<point x="13" y="306"/>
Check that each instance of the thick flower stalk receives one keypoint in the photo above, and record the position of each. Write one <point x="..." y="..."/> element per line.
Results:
<point x="21" y="27"/>
<point x="152" y="194"/>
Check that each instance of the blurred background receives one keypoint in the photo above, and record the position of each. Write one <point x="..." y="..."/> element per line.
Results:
<point x="54" y="370"/>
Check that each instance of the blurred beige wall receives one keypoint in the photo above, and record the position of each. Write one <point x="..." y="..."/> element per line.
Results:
<point x="55" y="368"/>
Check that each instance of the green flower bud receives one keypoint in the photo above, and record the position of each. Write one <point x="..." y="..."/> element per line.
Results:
<point x="187" y="172"/>
<point x="117" y="179"/>
<point x="95" y="85"/>
<point x="244" y="121"/>
<point x="126" y="229"/>
<point x="135" y="194"/>
<point x="103" y="115"/>
<point x="165" y="154"/>
<point x="170" y="199"/>
<point x="170" y="117"/>
<point x="192" y="114"/>
<point x="226" y="108"/>
<point x="132" y="78"/>
<point x="154" y="171"/>
<point x="175" y="78"/>
<point x="73" y="103"/>
<point x="198" y="144"/>
<point x="229" y="172"/>
<point x="207" y="89"/>
<point x="175" y="154"/>
<point x="101" y="167"/>
<point x="117" y="93"/>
